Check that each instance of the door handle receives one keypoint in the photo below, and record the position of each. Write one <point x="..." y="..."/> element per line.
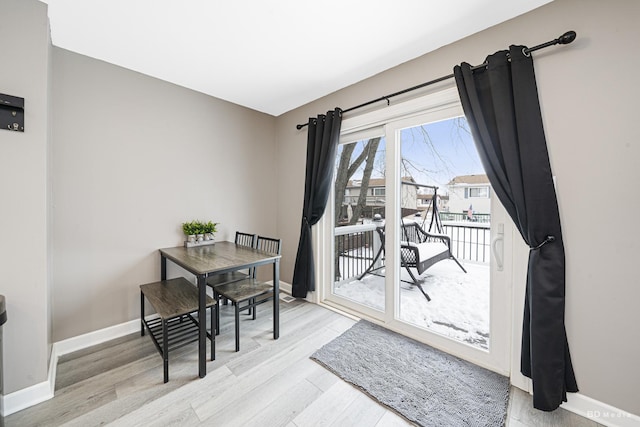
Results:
<point x="498" y="255"/>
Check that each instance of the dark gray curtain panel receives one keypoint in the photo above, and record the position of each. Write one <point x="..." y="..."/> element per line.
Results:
<point x="322" y="142"/>
<point x="501" y="105"/>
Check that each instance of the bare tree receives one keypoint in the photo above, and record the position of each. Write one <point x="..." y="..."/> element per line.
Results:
<point x="347" y="168"/>
<point x="371" y="149"/>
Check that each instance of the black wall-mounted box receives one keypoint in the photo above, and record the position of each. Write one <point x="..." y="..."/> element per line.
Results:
<point x="11" y="113"/>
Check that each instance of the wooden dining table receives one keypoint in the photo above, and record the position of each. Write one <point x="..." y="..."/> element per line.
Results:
<point x="221" y="257"/>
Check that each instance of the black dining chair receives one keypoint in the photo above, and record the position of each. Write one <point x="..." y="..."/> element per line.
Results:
<point x="248" y="293"/>
<point x="243" y="239"/>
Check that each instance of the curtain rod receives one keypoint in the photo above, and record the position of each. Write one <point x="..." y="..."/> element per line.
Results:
<point x="566" y="38"/>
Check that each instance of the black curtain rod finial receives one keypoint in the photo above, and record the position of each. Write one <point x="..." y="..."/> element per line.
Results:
<point x="567" y="37"/>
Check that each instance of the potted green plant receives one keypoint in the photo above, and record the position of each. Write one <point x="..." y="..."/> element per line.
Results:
<point x="209" y="230"/>
<point x="199" y="229"/>
<point x="190" y="230"/>
<point x="199" y="233"/>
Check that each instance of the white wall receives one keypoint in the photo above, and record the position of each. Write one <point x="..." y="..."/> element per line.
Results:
<point x="588" y="100"/>
<point x="133" y="158"/>
<point x="458" y="203"/>
<point x="24" y="41"/>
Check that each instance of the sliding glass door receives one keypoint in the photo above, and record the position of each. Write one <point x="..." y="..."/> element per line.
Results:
<point x="411" y="232"/>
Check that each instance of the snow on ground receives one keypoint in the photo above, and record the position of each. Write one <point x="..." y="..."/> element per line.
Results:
<point x="459" y="306"/>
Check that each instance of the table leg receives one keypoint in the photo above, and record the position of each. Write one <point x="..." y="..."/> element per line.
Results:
<point x="202" y="324"/>
<point x="276" y="299"/>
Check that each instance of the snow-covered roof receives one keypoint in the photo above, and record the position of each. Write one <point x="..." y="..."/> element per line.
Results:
<point x="469" y="179"/>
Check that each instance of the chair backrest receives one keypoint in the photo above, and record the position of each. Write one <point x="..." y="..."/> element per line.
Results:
<point x="246" y="239"/>
<point x="269" y="244"/>
<point x="412" y="232"/>
<point x="409" y="232"/>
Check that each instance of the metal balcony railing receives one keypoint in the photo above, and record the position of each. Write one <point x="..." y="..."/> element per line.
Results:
<point x="356" y="246"/>
<point x="461" y="216"/>
<point x="469" y="241"/>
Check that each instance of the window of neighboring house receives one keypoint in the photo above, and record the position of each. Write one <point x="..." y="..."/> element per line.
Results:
<point x="478" y="192"/>
<point x="378" y="191"/>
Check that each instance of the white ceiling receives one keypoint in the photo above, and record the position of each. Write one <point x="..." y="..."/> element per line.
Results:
<point x="269" y="55"/>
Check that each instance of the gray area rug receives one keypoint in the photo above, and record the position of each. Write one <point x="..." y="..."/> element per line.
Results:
<point x="423" y="384"/>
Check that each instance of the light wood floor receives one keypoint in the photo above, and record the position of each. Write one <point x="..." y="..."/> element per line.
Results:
<point x="268" y="383"/>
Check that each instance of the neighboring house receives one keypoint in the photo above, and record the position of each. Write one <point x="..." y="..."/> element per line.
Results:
<point x="376" y="195"/>
<point x="413" y="197"/>
<point x="470" y="190"/>
<point x="424" y="202"/>
<point x="375" y="192"/>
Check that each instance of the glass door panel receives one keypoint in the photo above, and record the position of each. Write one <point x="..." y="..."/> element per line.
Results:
<point x="359" y="209"/>
<point x="444" y="282"/>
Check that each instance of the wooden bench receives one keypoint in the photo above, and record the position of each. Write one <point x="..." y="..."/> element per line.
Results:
<point x="175" y="301"/>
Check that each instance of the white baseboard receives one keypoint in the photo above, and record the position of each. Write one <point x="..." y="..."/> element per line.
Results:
<point x="592" y="409"/>
<point x="38" y="393"/>
<point x="284" y="286"/>
<point x="97" y="337"/>
<point x="27" y="397"/>
<point x="599" y="412"/>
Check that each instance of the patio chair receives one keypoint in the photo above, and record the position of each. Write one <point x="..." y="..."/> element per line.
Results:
<point x="248" y="293"/>
<point x="419" y="249"/>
